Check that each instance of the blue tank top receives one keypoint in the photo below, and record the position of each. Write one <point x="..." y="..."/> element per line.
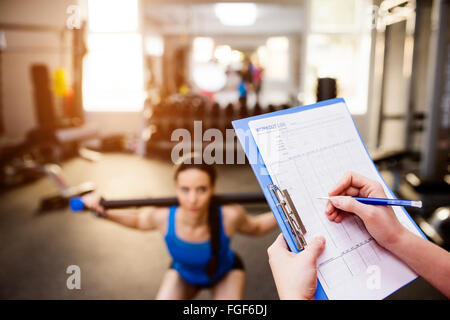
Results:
<point x="190" y="258"/>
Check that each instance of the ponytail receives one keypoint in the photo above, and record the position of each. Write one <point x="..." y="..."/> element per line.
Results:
<point x="214" y="229"/>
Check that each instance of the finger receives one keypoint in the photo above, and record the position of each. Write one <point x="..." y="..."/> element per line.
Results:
<point x="351" y="205"/>
<point x="352" y="191"/>
<point x="333" y="216"/>
<point x="331" y="211"/>
<point x="103" y="213"/>
<point x="98" y="208"/>
<point x="329" y="208"/>
<point x="340" y="217"/>
<point x="315" y="248"/>
<point x="279" y="245"/>
<point x="351" y="179"/>
<point x="281" y="242"/>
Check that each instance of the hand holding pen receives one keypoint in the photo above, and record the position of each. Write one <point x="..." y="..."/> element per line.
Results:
<point x="380" y="220"/>
<point x="425" y="258"/>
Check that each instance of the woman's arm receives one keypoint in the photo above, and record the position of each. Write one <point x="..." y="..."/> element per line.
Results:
<point x="254" y="225"/>
<point x="425" y="258"/>
<point x="144" y="220"/>
<point x="132" y="218"/>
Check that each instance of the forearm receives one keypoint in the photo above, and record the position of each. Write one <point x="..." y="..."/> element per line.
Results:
<point x="266" y="223"/>
<point x="427" y="259"/>
<point x="126" y="218"/>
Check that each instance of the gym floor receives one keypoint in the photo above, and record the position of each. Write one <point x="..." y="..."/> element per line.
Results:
<point x="117" y="262"/>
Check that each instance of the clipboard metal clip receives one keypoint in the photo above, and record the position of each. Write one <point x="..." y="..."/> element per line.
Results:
<point x="291" y="215"/>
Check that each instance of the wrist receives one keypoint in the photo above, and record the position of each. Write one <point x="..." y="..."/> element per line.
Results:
<point x="294" y="295"/>
<point x="103" y="215"/>
<point x="399" y="241"/>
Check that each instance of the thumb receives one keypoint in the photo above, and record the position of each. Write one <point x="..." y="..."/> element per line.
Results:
<point x="280" y="242"/>
<point x="351" y="205"/>
<point x="315" y="247"/>
<point x="278" y="246"/>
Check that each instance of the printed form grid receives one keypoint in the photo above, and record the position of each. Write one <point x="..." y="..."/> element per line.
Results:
<point x="350" y="237"/>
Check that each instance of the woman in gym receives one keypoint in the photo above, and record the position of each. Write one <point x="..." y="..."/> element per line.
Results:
<point x="197" y="234"/>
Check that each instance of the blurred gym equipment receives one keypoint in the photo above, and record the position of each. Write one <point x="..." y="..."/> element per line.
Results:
<point x="65" y="193"/>
<point x="19" y="168"/>
<point x="326" y="89"/>
<point x="59" y="133"/>
<point x="415" y="37"/>
<point x="179" y="111"/>
<point x="76" y="203"/>
<point x="51" y="142"/>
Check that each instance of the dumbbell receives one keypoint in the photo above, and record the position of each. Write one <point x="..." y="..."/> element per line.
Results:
<point x="243" y="110"/>
<point x="76" y="204"/>
<point x="229" y="110"/>
<point x="215" y="110"/>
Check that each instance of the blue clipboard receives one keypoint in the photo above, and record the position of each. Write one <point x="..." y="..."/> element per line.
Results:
<point x="248" y="143"/>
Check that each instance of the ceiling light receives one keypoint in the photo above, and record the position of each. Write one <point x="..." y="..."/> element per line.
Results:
<point x="236" y="14"/>
<point x="203" y="49"/>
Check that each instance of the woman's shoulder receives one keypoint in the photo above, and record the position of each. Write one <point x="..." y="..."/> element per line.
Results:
<point x="232" y="217"/>
<point x="161" y="213"/>
<point x="231" y="208"/>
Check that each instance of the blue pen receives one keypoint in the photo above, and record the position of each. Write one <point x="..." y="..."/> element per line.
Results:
<point x="384" y="202"/>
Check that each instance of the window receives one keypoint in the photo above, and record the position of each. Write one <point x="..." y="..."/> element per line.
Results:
<point x="113" y="68"/>
<point x="277" y="67"/>
<point x="339" y="47"/>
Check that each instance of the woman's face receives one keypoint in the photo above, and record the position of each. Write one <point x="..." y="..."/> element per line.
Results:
<point x="194" y="190"/>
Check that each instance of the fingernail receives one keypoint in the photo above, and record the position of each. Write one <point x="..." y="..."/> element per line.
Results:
<point x="328" y="208"/>
<point x="320" y="240"/>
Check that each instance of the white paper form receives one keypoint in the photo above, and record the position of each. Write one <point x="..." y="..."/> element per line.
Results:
<point x="307" y="153"/>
